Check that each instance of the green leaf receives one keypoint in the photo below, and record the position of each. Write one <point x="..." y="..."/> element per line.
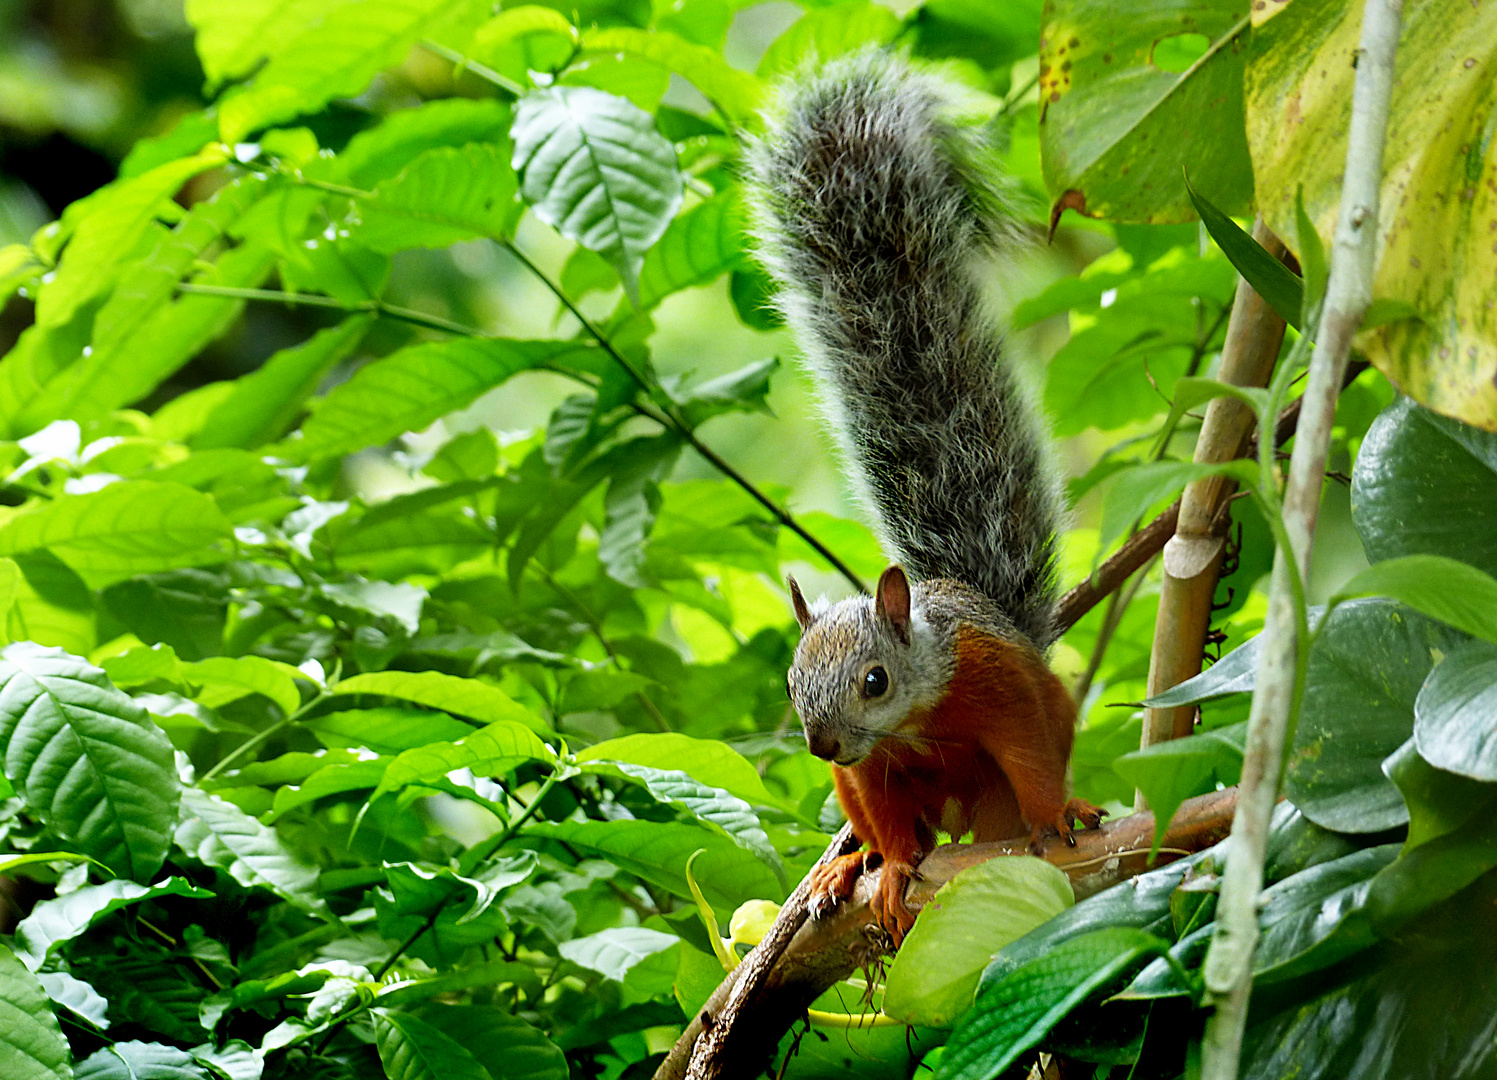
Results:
<point x="31" y="1043"/>
<point x="1132" y="491"/>
<point x="594" y="168"/>
<point x="55" y="922"/>
<point x="128" y="528"/>
<point x="87" y="759"/>
<point x="409" y="389"/>
<point x="1439" y="802"/>
<point x="1368" y="661"/>
<point x="386" y="730"/>
<point x="826" y="33"/>
<point x="1191" y="391"/>
<point x="506" y="1045"/>
<point x="264" y="404"/>
<point x="1436" y="160"/>
<point x="1455" y="715"/>
<point x="995" y="33"/>
<point x="657" y="851"/>
<point x="708" y="240"/>
<point x="472" y="698"/>
<point x="619" y="953"/>
<point x="1452" y="591"/>
<point x="228" y="678"/>
<point x="140" y="1061"/>
<point x="10" y="863"/>
<point x="1426" y="485"/>
<point x="1117" y="130"/>
<point x="233" y="37"/>
<point x="117" y="218"/>
<point x="971" y="917"/>
<point x="143" y="664"/>
<point x="411" y="1049"/>
<point x="1168" y="773"/>
<point x="77" y="996"/>
<point x="383" y="151"/>
<point x="1279" y="286"/>
<point x="707" y="761"/>
<point x="1015" y="1013"/>
<point x="219" y="834"/>
<point x="317" y="60"/>
<point x="330" y="780"/>
<point x="445" y="196"/>
<point x="491" y="751"/>
<point x="1235" y="673"/>
<point x="733" y="93"/>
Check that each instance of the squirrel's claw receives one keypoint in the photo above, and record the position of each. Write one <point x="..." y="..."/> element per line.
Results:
<point x="887" y="901"/>
<point x="832" y="882"/>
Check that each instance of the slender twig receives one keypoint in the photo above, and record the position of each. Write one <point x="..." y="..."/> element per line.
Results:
<point x="503" y="82"/>
<point x="366" y="307"/>
<point x="1228" y="968"/>
<point x="260" y="737"/>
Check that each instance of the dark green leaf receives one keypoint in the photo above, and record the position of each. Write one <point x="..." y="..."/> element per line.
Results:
<point x="504" y="1044"/>
<point x="55" y="922"/>
<point x="87" y="759"/>
<point x="1455" y="715"/>
<point x="1279" y="286"/>
<point x="411" y="1049"/>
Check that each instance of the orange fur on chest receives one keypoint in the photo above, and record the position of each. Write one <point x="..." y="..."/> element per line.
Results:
<point x="994" y="747"/>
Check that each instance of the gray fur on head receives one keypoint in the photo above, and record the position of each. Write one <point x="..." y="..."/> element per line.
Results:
<point x="874" y="220"/>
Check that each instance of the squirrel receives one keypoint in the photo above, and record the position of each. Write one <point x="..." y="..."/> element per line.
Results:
<point x="932" y="697"/>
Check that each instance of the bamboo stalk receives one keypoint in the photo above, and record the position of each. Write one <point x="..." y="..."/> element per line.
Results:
<point x="1228" y="968"/>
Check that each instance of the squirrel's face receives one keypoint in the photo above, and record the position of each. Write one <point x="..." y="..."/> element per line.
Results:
<point x="861" y="671"/>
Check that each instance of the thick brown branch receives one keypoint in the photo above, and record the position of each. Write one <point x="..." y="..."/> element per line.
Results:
<point x="823" y="951"/>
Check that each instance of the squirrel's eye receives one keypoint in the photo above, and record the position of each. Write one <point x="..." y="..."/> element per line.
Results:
<point x="875" y="682"/>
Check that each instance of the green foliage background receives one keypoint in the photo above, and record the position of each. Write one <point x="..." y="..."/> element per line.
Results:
<point x="399" y="471"/>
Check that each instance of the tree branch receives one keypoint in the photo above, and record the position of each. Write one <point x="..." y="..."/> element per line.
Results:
<point x="1228" y="968"/>
<point x="744" y="1025"/>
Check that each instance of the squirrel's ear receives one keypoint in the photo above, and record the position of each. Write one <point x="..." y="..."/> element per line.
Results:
<point x="891" y="601"/>
<point x="798" y="602"/>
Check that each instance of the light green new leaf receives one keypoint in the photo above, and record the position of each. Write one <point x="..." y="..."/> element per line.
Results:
<point x="31" y="1043"/>
<point x="140" y="1061"/>
<point x="1438" y="162"/>
<point x="1170" y="772"/>
<point x="411" y="1049"/>
<point x="632" y="954"/>
<point x="658" y="851"/>
<point x="1455" y="715"/>
<point x="381" y="152"/>
<point x="734" y="93"/>
<point x="1013" y="1014"/>
<point x="446" y="195"/>
<point x="87" y="759"/>
<point x="227" y="678"/>
<point x="235" y="35"/>
<point x="143" y="664"/>
<point x="472" y="698"/>
<point x="594" y="168"/>
<point x="1452" y="591"/>
<point x="264" y="404"/>
<point x="411" y="388"/>
<point x="330" y="780"/>
<point x="961" y="929"/>
<point x="1117" y="126"/>
<point x="218" y="833"/>
<point x="53" y="922"/>
<point x="490" y="751"/>
<point x="333" y="56"/>
<point x="1132" y="491"/>
<point x="708" y="240"/>
<point x="116" y="219"/>
<point x="386" y="730"/>
<point x="826" y="33"/>
<point x="128" y="528"/>
<point x="713" y="763"/>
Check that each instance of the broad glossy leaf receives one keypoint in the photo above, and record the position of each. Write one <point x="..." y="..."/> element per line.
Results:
<point x="77" y="996"/>
<point x="140" y="1061"/>
<point x="263" y="405"/>
<point x="491" y="751"/>
<point x="227" y="678"/>
<point x="632" y="954"/>
<point x="503" y="1043"/>
<point x="31" y="1043"/>
<point x="1013" y="1014"/>
<point x="1132" y="492"/>
<point x="409" y="389"/>
<point x="1439" y="802"/>
<point x="332" y="780"/>
<point x="87" y="759"/>
<point x="114" y="222"/>
<point x="446" y="195"/>
<point x="412" y="1049"/>
<point x="128" y="528"/>
<point x="995" y="33"/>
<point x="1366" y="667"/>
<point x="825" y="33"/>
<point x="233" y="37"/>
<point x="593" y="167"/>
<point x="319" y="59"/>
<point x="1235" y="673"/>
<point x="1170" y="772"/>
<point x="708" y="761"/>
<point x="1455" y="715"/>
<point x="982" y="909"/>
<point x="387" y="729"/>
<point x="141" y="665"/>
<point x="1117" y="128"/>
<point x="708" y="240"/>
<point x="1452" y="591"/>
<point x="472" y="698"/>
<point x="236" y="1059"/>
<point x="732" y="92"/>
<point x="1438" y="160"/>
<point x="54" y="922"/>
<point x="1426" y="485"/>
<point x="218" y="833"/>
<point x="658" y="850"/>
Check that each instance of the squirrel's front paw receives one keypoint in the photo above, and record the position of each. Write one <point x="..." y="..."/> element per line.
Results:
<point x="832" y="882"/>
<point x="887" y="901"/>
<point x="1080" y="810"/>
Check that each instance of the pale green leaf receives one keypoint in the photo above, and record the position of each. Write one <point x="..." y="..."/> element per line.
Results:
<point x="31" y="1043"/>
<point x="55" y="922"/>
<point x="411" y="1049"/>
<point x="472" y="698"/>
<point x="218" y="833"/>
<point x="490" y="751"/>
<point x="734" y="93"/>
<point x="446" y="195"/>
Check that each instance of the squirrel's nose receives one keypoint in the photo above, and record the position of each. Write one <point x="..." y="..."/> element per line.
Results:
<point x="823" y="745"/>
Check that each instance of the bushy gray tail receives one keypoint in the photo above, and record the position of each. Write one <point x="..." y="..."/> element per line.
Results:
<point x="873" y="217"/>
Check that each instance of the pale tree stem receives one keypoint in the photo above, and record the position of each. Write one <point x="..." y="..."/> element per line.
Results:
<point x="1228" y="968"/>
